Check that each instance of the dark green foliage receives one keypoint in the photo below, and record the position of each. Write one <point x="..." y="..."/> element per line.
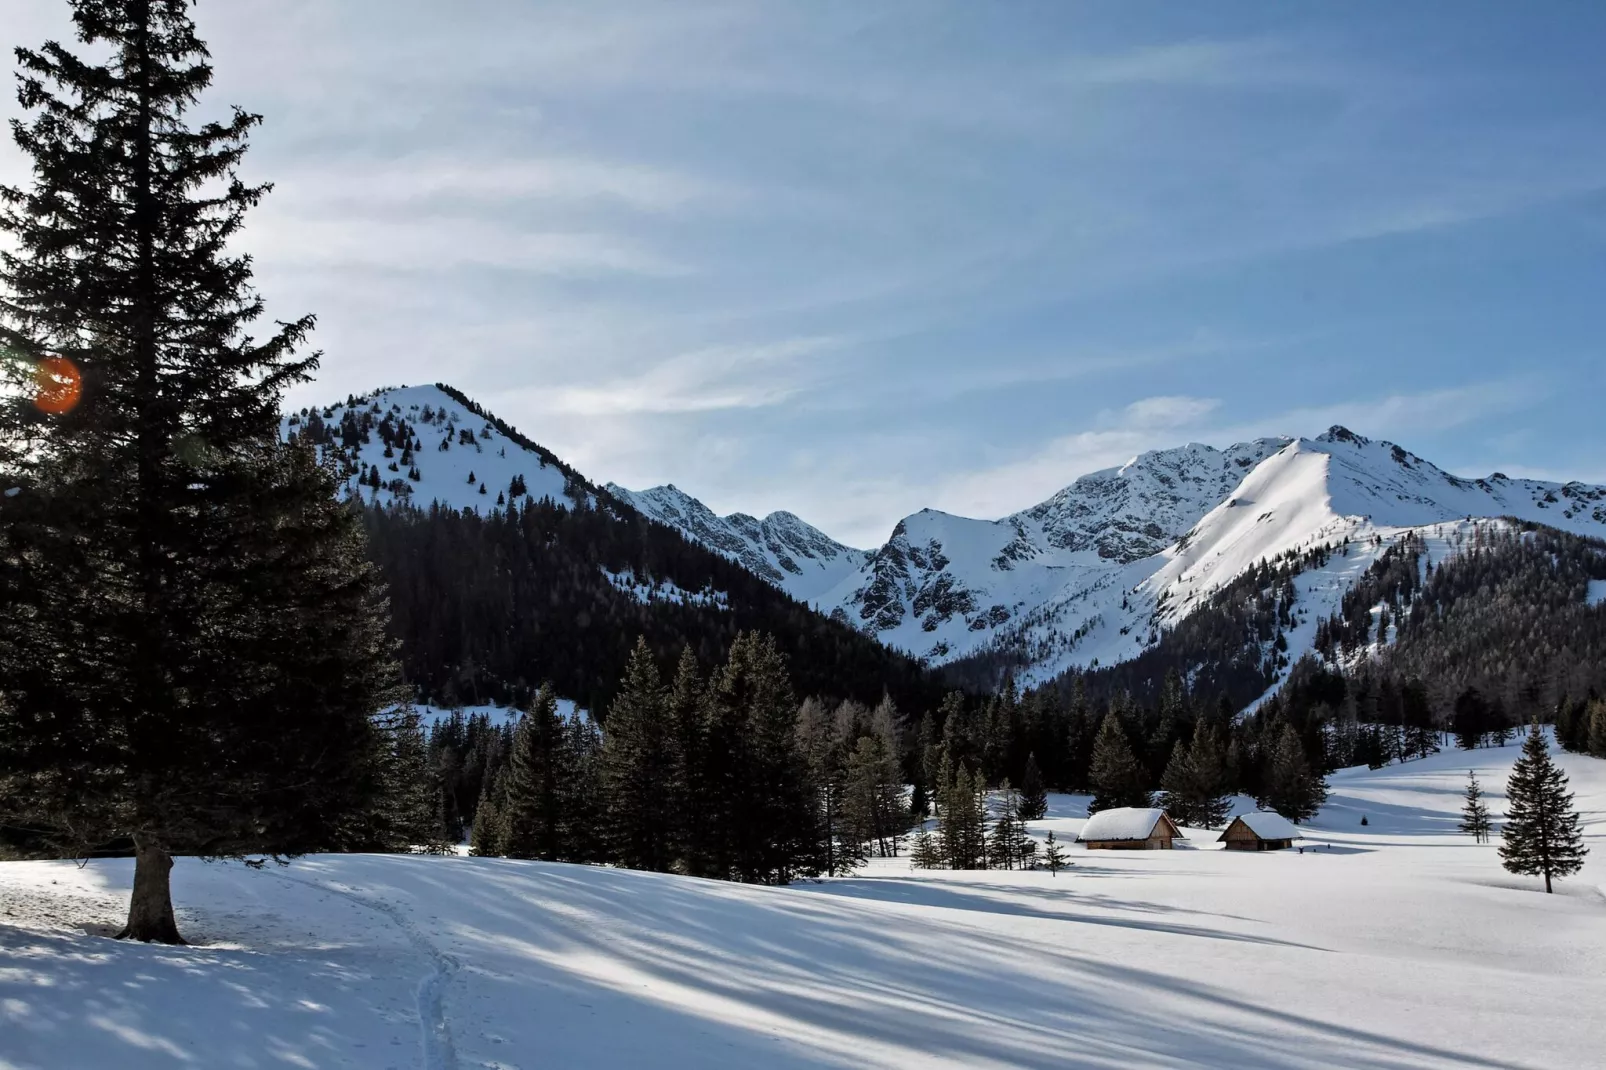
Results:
<point x="962" y="823"/>
<point x="1117" y="778"/>
<point x="1009" y="846"/>
<point x="530" y="799"/>
<point x="926" y="852"/>
<point x="1291" y="788"/>
<point x="639" y="768"/>
<point x="1541" y="836"/>
<point x="1474" y="814"/>
<point x="873" y="809"/>
<point x="194" y="641"/>
<point x="1054" y="855"/>
<point x="482" y="602"/>
<point x="1033" y="792"/>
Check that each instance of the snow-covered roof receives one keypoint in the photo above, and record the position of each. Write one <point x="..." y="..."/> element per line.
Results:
<point x="1269" y="826"/>
<point x="1122" y="823"/>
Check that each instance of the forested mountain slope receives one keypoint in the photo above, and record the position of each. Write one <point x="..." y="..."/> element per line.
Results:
<point x="507" y="568"/>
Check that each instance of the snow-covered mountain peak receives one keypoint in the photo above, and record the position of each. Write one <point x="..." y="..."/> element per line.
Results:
<point x="424" y="444"/>
<point x="782" y="548"/>
<point x="1139" y="508"/>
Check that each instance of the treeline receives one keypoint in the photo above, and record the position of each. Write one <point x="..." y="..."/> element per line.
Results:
<point x="1506" y="614"/>
<point x="1498" y="634"/>
<point x="719" y="771"/>
<point x="724" y="775"/>
<point x="489" y="607"/>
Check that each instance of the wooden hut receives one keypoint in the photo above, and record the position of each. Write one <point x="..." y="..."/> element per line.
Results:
<point x="1260" y="831"/>
<point x="1129" y="828"/>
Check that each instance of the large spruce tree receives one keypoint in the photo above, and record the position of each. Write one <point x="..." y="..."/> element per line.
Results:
<point x="194" y="643"/>
<point x="1290" y="787"/>
<point x="638" y="768"/>
<point x="1541" y="834"/>
<point x="1117" y="777"/>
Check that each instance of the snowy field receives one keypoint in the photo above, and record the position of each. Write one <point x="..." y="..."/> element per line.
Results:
<point x="1395" y="944"/>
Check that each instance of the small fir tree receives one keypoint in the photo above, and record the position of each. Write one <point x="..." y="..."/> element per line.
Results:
<point x="1541" y="834"/>
<point x="1474" y="814"/>
<point x="1033" y="792"/>
<point x="925" y="854"/>
<point x="1054" y="855"/>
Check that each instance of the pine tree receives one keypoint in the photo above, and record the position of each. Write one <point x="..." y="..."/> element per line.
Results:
<point x="1541" y="834"/>
<point x="1177" y="787"/>
<point x="1033" y="792"/>
<point x="961" y="823"/>
<point x="841" y="847"/>
<point x="872" y="803"/>
<point x="926" y="853"/>
<point x="1596" y="738"/>
<point x="1117" y="778"/>
<point x="1290" y="787"/>
<point x="1212" y="780"/>
<point x="762" y="825"/>
<point x="195" y="642"/>
<point x="530" y="805"/>
<point x="1054" y="855"/>
<point x="486" y="836"/>
<point x="1475" y="815"/>
<point x="409" y="813"/>
<point x="638" y="768"/>
<point x="1004" y="841"/>
<point x="582" y="805"/>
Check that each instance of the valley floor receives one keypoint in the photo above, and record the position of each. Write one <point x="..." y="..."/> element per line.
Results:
<point x="1396" y="944"/>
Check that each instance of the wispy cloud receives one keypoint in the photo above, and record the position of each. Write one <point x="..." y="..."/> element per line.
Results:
<point x="707" y="380"/>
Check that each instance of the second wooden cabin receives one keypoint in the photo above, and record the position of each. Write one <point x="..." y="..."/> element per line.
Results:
<point x="1129" y="828"/>
<point x="1259" y="831"/>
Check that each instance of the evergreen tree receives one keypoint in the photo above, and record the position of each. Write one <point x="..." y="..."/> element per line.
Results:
<point x="763" y="827"/>
<point x="1117" y="778"/>
<point x="926" y="853"/>
<point x="582" y="804"/>
<point x="638" y="769"/>
<point x="1541" y="834"/>
<point x="872" y="802"/>
<point x="529" y="805"/>
<point x="1054" y="855"/>
<point x="1471" y="719"/>
<point x="1004" y="841"/>
<point x="485" y="839"/>
<point x="1211" y="780"/>
<point x="1475" y="815"/>
<point x="962" y="823"/>
<point x="194" y="643"/>
<point x="409" y="815"/>
<point x="1033" y="792"/>
<point x="1290" y="787"/>
<point x="841" y="845"/>
<point x="691" y="799"/>
<point x="1178" y="787"/>
<point x="1596" y="739"/>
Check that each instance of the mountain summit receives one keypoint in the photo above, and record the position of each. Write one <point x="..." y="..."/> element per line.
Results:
<point x="1091" y="576"/>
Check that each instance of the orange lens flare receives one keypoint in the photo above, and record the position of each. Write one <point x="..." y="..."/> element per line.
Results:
<point x="57" y="385"/>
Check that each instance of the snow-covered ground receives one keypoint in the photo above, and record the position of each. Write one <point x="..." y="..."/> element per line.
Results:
<point x="1395" y="944"/>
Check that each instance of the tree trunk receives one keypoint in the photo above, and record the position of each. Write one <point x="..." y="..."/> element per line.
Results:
<point x="150" y="908"/>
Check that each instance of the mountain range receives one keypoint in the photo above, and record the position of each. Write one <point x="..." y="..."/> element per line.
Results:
<point x="1091" y="576"/>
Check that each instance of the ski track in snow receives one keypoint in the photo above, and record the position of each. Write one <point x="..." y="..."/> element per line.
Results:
<point x="435" y="1033"/>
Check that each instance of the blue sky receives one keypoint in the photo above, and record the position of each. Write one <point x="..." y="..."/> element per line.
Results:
<point x="855" y="259"/>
